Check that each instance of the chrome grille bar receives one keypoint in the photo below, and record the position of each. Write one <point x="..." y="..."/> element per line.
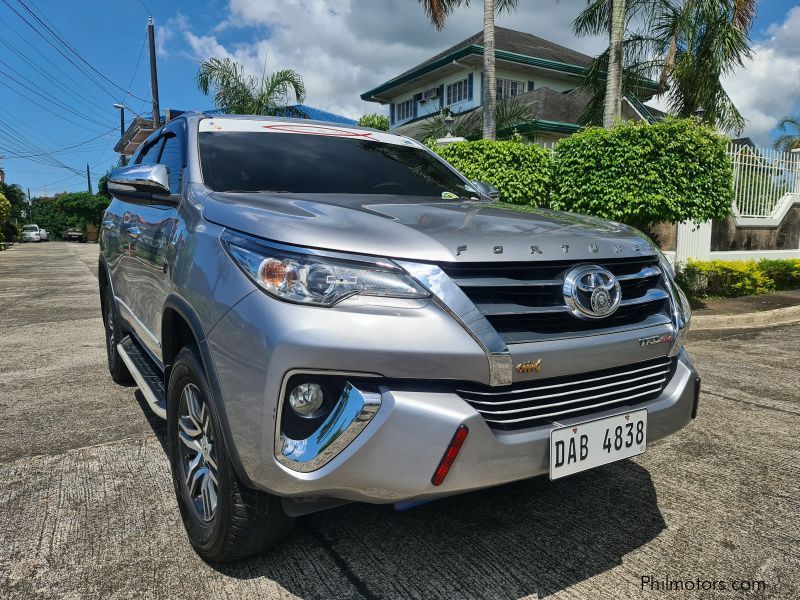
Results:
<point x="528" y="404"/>
<point x="662" y="374"/>
<point x="564" y="412"/>
<point x="558" y="385"/>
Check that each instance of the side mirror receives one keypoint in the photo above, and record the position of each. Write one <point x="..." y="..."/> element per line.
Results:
<point x="486" y="189"/>
<point x="140" y="182"/>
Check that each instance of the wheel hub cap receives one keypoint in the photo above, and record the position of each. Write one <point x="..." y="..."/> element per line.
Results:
<point x="197" y="451"/>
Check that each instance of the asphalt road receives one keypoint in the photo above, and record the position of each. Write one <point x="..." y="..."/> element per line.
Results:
<point x="87" y="507"/>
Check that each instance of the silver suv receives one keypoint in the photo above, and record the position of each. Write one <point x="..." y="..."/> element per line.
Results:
<point x="329" y="314"/>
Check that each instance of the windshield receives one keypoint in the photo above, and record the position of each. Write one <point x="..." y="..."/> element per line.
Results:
<point x="30" y="228"/>
<point x="248" y="161"/>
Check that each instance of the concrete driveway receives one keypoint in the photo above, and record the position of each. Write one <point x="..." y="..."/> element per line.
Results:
<point x="87" y="507"/>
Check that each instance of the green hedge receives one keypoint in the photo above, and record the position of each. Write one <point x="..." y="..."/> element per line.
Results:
<point x="643" y="174"/>
<point x="729" y="279"/>
<point x="521" y="172"/>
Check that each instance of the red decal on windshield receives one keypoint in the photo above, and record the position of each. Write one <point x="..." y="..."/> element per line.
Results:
<point x="317" y="130"/>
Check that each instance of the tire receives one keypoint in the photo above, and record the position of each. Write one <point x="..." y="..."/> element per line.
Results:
<point x="116" y="367"/>
<point x="224" y="519"/>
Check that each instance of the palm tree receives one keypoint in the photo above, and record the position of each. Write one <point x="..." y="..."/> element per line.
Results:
<point x="612" y="111"/>
<point x="235" y="92"/>
<point x="689" y="45"/>
<point x="788" y="141"/>
<point x="438" y="11"/>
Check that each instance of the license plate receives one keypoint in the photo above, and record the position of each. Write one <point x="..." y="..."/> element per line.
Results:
<point x="587" y="445"/>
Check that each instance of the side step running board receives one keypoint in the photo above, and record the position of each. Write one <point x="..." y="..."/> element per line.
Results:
<point x="146" y="377"/>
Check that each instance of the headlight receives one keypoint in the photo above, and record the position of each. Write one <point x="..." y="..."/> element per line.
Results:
<point x="681" y="309"/>
<point x="318" y="280"/>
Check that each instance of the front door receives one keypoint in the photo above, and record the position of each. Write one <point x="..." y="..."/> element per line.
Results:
<point x="149" y="233"/>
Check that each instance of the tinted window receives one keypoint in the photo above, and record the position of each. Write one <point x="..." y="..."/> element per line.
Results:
<point x="172" y="158"/>
<point x="151" y="153"/>
<point x="310" y="164"/>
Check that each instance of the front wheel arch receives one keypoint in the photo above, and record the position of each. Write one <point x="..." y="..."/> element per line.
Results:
<point x="181" y="323"/>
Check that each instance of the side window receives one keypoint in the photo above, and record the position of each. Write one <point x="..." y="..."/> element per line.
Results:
<point x="172" y="158"/>
<point x="150" y="154"/>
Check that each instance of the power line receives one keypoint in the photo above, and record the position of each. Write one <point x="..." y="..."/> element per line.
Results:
<point x="45" y="95"/>
<point x="59" y="50"/>
<point x="70" y="147"/>
<point x="147" y="10"/>
<point x="44" y="56"/>
<point x="61" y="86"/>
<point x="58" y="36"/>
<point x="28" y="99"/>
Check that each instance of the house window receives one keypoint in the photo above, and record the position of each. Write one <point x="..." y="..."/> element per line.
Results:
<point x="457" y="92"/>
<point x="510" y="87"/>
<point x="404" y="110"/>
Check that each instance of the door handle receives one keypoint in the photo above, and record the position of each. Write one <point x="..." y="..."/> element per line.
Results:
<point x="134" y="232"/>
<point x="108" y="224"/>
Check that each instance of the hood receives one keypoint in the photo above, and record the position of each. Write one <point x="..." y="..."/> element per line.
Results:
<point x="423" y="229"/>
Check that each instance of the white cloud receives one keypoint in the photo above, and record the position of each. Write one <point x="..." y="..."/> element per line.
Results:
<point x="358" y="44"/>
<point x="769" y="86"/>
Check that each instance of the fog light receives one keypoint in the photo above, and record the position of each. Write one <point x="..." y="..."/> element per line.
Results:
<point x="306" y="399"/>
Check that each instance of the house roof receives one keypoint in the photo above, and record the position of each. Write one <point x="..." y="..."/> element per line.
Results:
<point x="517" y="42"/>
<point x="511" y="46"/>
<point x="317" y="114"/>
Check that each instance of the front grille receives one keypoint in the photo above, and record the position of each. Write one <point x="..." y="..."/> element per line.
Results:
<point x="529" y="404"/>
<point x="524" y="301"/>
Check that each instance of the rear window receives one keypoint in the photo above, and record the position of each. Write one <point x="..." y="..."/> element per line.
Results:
<point x="30" y="228"/>
<point x="247" y="161"/>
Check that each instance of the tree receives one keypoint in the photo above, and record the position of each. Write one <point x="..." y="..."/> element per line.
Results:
<point x="689" y="46"/>
<point x="47" y="214"/>
<point x="612" y="111"/>
<point x="5" y="213"/>
<point x="375" y="121"/>
<point x="438" y="11"/>
<point x="19" y="201"/>
<point x="102" y="186"/>
<point x="236" y="92"/>
<point x="790" y="140"/>
<point x="5" y="209"/>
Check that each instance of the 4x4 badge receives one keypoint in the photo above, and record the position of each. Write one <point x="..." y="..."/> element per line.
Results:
<point x="530" y="366"/>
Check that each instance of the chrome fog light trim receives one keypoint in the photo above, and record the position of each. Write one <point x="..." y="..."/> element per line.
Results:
<point x="352" y="413"/>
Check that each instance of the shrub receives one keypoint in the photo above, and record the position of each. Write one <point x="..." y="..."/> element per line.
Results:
<point x="640" y="174"/>
<point x="520" y="172"/>
<point x="723" y="278"/>
<point x="785" y="273"/>
<point x="375" y="121"/>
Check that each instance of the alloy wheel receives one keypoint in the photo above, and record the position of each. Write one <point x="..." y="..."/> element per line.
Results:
<point x="198" y="452"/>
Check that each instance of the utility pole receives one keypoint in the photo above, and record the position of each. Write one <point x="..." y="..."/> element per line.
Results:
<point x="30" y="206"/>
<point x="153" y="73"/>
<point x="88" y="179"/>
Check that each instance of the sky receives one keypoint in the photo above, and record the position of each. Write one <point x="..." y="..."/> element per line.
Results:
<point x="56" y="103"/>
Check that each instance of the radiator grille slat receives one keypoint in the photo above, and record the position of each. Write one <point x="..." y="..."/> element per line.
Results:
<point x="531" y="404"/>
<point x="524" y="301"/>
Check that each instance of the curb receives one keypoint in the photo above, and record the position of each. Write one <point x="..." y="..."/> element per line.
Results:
<point x="767" y="318"/>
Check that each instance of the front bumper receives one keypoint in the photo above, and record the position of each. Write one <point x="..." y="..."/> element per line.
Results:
<point x="394" y="457"/>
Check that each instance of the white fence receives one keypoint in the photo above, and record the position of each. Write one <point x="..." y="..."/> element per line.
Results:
<point x="762" y="177"/>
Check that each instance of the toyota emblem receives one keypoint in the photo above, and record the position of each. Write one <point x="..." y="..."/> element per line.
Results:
<point x="592" y="292"/>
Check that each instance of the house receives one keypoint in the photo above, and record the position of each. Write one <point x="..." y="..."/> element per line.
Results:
<point x="542" y="74"/>
<point x="141" y="127"/>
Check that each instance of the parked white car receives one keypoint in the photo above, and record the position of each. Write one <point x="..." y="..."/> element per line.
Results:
<point x="32" y="233"/>
<point x="43" y="235"/>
